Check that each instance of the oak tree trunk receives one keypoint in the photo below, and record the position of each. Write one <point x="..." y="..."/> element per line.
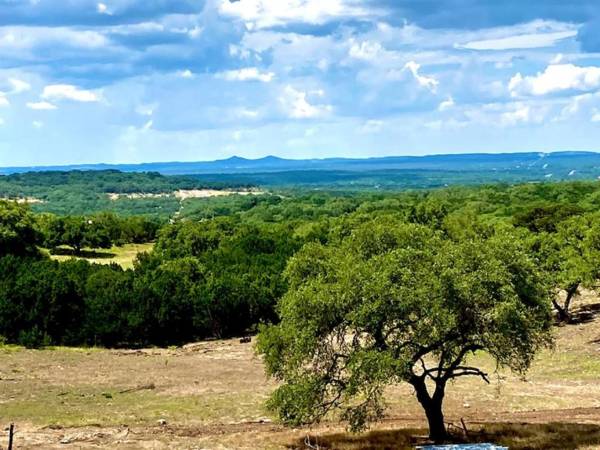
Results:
<point x="563" y="312"/>
<point x="435" y="419"/>
<point x="433" y="409"/>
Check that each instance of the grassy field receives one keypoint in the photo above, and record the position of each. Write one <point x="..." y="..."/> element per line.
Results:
<point x="210" y="395"/>
<point x="124" y="255"/>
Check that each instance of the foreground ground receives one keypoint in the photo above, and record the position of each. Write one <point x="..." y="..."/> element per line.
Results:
<point x="210" y="396"/>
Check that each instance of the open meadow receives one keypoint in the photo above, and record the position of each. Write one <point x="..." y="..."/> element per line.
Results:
<point x="123" y="255"/>
<point x="212" y="394"/>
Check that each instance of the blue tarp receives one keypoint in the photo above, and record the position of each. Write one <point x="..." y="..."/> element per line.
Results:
<point x="463" y="447"/>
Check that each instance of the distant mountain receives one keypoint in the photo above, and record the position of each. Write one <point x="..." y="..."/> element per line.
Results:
<point x="557" y="164"/>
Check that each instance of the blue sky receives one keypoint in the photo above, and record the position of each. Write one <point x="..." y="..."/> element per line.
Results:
<point x="161" y="80"/>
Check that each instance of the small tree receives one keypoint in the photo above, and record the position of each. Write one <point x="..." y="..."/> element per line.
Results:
<point x="17" y="229"/>
<point x="397" y="303"/>
<point x="571" y="258"/>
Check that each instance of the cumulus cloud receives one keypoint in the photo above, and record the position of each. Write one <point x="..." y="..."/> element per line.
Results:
<point x="556" y="78"/>
<point x="270" y="13"/>
<point x="41" y="106"/>
<point x="365" y="50"/>
<point x="187" y="73"/>
<point x="69" y="92"/>
<point x="246" y="74"/>
<point x="18" y="86"/>
<point x="102" y="9"/>
<point x="297" y="106"/>
<point x="521" y="113"/>
<point x="424" y="81"/>
<point x="446" y="104"/>
<point x="3" y="100"/>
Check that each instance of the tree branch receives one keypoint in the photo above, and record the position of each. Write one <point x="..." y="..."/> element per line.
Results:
<point x="461" y="371"/>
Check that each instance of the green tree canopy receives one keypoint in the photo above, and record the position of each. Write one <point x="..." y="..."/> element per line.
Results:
<point x="398" y="303"/>
<point x="17" y="229"/>
<point x="571" y="257"/>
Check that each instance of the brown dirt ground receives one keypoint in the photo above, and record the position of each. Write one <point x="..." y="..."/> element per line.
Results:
<point x="210" y="395"/>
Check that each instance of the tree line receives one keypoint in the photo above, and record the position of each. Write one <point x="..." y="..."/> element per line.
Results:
<point x="97" y="231"/>
<point x="204" y="279"/>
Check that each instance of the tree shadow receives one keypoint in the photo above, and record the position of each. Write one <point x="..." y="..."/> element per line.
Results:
<point x="550" y="436"/>
<point x="88" y="254"/>
<point x="585" y="314"/>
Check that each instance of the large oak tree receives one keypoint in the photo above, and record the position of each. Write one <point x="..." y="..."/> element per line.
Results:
<point x="396" y="303"/>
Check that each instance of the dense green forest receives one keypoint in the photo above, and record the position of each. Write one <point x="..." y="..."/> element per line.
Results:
<point x="152" y="195"/>
<point x="219" y="268"/>
<point x="87" y="192"/>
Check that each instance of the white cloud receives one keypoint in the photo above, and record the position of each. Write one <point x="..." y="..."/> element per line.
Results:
<point x="187" y="73"/>
<point x="297" y="106"/>
<point x="69" y="92"/>
<point x="245" y="113"/>
<point x="578" y="106"/>
<point x="195" y="32"/>
<point x="1" y="121"/>
<point x="595" y="116"/>
<point x="148" y="125"/>
<point x="522" y="113"/>
<point x="424" y="81"/>
<point x="366" y="50"/>
<point x="101" y="8"/>
<point x="18" y="86"/>
<point x="41" y="106"/>
<point x="268" y="13"/>
<point x="37" y="124"/>
<point x="532" y="112"/>
<point x="3" y="100"/>
<point x="235" y="50"/>
<point x="556" y="77"/>
<point x="521" y="41"/>
<point x="246" y="74"/>
<point x="31" y="38"/>
<point x="446" y="104"/>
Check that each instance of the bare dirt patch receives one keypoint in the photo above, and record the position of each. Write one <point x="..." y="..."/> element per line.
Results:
<point x="184" y="194"/>
<point x="206" y="193"/>
<point x="136" y="195"/>
<point x="23" y="200"/>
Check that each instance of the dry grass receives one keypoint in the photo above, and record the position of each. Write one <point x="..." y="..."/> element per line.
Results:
<point x="124" y="255"/>
<point x="211" y="395"/>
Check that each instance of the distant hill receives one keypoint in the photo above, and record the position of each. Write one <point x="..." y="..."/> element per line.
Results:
<point x="557" y="164"/>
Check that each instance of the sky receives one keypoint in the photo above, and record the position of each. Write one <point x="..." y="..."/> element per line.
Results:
<point x="127" y="81"/>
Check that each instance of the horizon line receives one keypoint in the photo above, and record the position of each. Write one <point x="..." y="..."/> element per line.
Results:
<point x="233" y="157"/>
